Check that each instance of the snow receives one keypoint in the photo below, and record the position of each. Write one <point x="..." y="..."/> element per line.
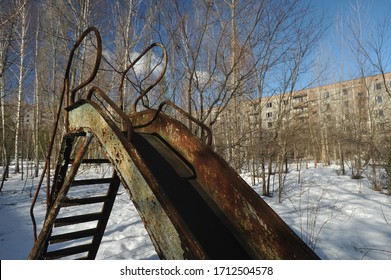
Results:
<point x="340" y="218"/>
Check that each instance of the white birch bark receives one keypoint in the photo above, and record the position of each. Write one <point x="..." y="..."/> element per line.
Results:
<point x="22" y="45"/>
<point x="37" y="101"/>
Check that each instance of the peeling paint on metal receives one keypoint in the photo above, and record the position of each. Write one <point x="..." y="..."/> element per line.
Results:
<point x="164" y="234"/>
<point x="253" y="221"/>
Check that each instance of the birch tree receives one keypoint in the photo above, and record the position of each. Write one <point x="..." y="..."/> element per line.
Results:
<point x="22" y="43"/>
<point x="7" y="18"/>
<point x="371" y="49"/>
<point x="37" y="99"/>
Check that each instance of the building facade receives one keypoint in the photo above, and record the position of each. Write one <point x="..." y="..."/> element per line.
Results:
<point x="325" y="122"/>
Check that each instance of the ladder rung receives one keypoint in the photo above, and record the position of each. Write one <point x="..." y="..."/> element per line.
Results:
<point x="83" y="201"/>
<point x="77" y="219"/>
<point x="72" y="235"/>
<point x="68" y="251"/>
<point x="91" y="181"/>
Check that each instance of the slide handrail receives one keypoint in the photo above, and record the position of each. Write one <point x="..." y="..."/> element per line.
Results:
<point x="126" y="120"/>
<point x="190" y="117"/>
<point x="69" y="98"/>
<point x="157" y="80"/>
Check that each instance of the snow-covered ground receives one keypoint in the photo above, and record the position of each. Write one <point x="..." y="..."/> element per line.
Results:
<point x="339" y="217"/>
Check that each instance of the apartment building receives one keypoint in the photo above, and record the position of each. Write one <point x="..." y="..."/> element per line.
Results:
<point x="366" y="99"/>
<point x="312" y="122"/>
<point x="28" y="117"/>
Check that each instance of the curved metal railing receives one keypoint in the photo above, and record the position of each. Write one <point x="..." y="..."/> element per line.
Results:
<point x="190" y="117"/>
<point x="125" y="119"/>
<point x="70" y="94"/>
<point x="164" y="103"/>
<point x="131" y="65"/>
<point x="71" y="97"/>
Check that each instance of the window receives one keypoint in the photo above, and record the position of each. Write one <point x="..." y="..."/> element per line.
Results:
<point x="360" y="94"/>
<point x="378" y="86"/>
<point x="299" y="98"/>
<point x="269" y="115"/>
<point x="345" y="92"/>
<point x="269" y="124"/>
<point x="379" y="99"/>
<point x="326" y="94"/>
<point x="380" y="114"/>
<point x="268" y="105"/>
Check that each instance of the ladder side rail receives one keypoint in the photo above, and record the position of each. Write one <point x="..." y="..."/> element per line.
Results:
<point x="39" y="247"/>
<point x="106" y="211"/>
<point x="62" y="167"/>
<point x="64" y="95"/>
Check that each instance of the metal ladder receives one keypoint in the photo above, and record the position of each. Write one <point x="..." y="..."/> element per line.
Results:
<point x="75" y="223"/>
<point x="54" y="241"/>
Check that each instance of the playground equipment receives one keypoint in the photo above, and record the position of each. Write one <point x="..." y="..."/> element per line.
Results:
<point x="192" y="203"/>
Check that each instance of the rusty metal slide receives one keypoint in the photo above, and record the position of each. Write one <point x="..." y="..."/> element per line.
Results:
<point x="193" y="205"/>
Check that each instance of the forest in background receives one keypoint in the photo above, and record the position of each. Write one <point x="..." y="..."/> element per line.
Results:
<point x="221" y="54"/>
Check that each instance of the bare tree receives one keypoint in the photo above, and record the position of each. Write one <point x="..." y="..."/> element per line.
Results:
<point x="373" y="56"/>
<point x="36" y="100"/>
<point x="22" y="42"/>
<point x="7" y="18"/>
<point x="280" y="58"/>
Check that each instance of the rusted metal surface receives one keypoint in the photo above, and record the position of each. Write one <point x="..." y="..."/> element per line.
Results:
<point x="125" y="119"/>
<point x="254" y="224"/>
<point x="61" y="168"/>
<point x="63" y="181"/>
<point x="169" y="234"/>
<point x="94" y="70"/>
<point x="64" y="95"/>
<point x="178" y="181"/>
<point x="258" y="228"/>
<point x="247" y="220"/>
<point x="190" y="117"/>
<point x="39" y="246"/>
<point x="105" y="214"/>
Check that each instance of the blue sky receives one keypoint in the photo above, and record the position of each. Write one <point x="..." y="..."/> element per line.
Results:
<point x="339" y="13"/>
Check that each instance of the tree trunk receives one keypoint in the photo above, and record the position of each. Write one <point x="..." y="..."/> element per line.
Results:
<point x="264" y="190"/>
<point x="37" y="107"/>
<point x="3" y="130"/>
<point x="341" y="157"/>
<point x="280" y="171"/>
<point x="270" y="171"/>
<point x="22" y="45"/>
